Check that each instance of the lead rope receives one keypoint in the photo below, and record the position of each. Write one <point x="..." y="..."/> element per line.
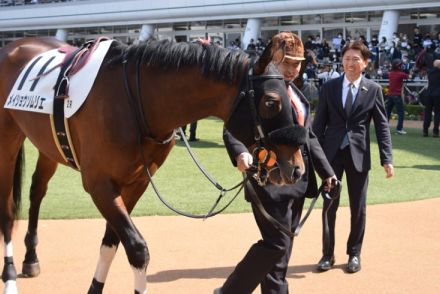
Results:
<point x="338" y="185"/>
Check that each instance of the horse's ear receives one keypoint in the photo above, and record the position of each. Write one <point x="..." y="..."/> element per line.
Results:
<point x="270" y="53"/>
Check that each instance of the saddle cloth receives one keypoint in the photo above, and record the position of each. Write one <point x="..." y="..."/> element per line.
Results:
<point x="34" y="90"/>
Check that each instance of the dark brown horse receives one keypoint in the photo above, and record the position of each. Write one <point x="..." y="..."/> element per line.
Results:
<point x="141" y="94"/>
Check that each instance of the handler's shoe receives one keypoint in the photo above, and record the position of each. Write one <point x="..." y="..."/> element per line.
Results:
<point x="326" y="263"/>
<point x="354" y="264"/>
<point x="218" y="291"/>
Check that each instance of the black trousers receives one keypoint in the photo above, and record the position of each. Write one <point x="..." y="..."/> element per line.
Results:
<point x="266" y="262"/>
<point x="357" y="184"/>
<point x="432" y="104"/>
<point x="192" y="130"/>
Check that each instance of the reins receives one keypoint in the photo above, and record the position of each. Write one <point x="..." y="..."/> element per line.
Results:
<point x="312" y="204"/>
<point x="211" y="211"/>
<point x="137" y="107"/>
<point x="288" y="231"/>
<point x="202" y="169"/>
<point x="259" y="136"/>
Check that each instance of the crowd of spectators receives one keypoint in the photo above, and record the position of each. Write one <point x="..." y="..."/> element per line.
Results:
<point x="326" y="55"/>
<point x="416" y="55"/>
<point x="383" y="52"/>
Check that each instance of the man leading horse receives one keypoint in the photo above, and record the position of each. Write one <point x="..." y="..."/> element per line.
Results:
<point x="266" y="262"/>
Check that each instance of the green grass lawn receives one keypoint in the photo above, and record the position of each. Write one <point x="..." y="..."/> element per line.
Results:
<point x="416" y="161"/>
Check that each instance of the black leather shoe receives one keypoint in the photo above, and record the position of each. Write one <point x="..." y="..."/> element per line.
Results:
<point x="354" y="264"/>
<point x="193" y="139"/>
<point x="326" y="263"/>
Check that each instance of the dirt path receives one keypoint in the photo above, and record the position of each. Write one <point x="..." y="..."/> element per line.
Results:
<point x="401" y="253"/>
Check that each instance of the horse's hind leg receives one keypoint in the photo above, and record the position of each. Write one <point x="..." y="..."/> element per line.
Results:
<point x="43" y="173"/>
<point x="11" y="158"/>
<point x="119" y="227"/>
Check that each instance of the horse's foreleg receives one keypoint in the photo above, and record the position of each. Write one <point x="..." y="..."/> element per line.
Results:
<point x="43" y="173"/>
<point x="112" y="207"/>
<point x="107" y="253"/>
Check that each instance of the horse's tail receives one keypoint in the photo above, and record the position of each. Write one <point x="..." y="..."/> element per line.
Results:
<point x="18" y="176"/>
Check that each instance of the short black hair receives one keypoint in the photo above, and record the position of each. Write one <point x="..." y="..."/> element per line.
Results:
<point x="357" y="45"/>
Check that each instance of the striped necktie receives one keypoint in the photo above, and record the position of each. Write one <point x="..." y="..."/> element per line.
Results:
<point x="349" y="100"/>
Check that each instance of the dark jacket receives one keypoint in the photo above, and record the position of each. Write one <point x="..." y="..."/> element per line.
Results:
<point x="433" y="82"/>
<point x="314" y="159"/>
<point x="330" y="123"/>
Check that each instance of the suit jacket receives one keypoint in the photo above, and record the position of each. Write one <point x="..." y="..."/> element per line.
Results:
<point x="433" y="82"/>
<point x="313" y="155"/>
<point x="331" y="122"/>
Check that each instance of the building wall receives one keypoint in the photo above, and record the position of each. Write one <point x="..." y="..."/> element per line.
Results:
<point x="101" y="13"/>
<point x="222" y="20"/>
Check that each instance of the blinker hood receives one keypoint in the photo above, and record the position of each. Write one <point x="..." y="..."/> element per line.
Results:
<point x="290" y="136"/>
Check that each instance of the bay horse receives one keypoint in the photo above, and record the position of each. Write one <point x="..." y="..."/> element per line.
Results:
<point x="118" y="135"/>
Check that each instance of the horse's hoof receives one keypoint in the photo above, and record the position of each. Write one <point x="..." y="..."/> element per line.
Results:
<point x="31" y="269"/>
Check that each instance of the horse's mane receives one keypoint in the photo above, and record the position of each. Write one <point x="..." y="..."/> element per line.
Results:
<point x="166" y="55"/>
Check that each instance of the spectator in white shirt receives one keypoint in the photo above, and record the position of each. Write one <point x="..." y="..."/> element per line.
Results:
<point x="328" y="72"/>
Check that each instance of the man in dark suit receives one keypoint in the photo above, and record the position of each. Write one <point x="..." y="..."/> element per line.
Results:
<point x="342" y="124"/>
<point x="267" y="260"/>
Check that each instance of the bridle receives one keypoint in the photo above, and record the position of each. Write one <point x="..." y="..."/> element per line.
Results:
<point x="265" y="159"/>
<point x="246" y="91"/>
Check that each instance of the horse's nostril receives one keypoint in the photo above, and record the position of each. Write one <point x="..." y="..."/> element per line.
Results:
<point x="296" y="173"/>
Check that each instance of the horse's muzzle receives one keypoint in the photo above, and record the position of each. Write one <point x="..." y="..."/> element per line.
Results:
<point x="284" y="173"/>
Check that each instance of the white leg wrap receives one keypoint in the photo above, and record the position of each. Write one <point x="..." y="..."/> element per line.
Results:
<point x="140" y="280"/>
<point x="106" y="256"/>
<point x="11" y="287"/>
<point x="9" y="252"/>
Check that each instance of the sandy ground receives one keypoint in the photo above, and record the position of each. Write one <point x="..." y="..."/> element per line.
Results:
<point x="401" y="253"/>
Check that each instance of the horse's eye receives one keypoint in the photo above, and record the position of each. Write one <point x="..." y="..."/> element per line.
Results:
<point x="269" y="106"/>
<point x="270" y="103"/>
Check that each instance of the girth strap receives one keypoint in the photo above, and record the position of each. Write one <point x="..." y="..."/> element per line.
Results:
<point x="59" y="124"/>
<point x="72" y="63"/>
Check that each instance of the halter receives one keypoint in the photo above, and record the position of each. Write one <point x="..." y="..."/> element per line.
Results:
<point x="264" y="158"/>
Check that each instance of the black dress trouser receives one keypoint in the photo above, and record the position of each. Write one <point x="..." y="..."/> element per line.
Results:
<point x="432" y="104"/>
<point x="357" y="184"/>
<point x="266" y="262"/>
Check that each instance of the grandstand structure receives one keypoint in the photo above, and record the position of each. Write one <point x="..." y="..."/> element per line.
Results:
<point x="222" y="20"/>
